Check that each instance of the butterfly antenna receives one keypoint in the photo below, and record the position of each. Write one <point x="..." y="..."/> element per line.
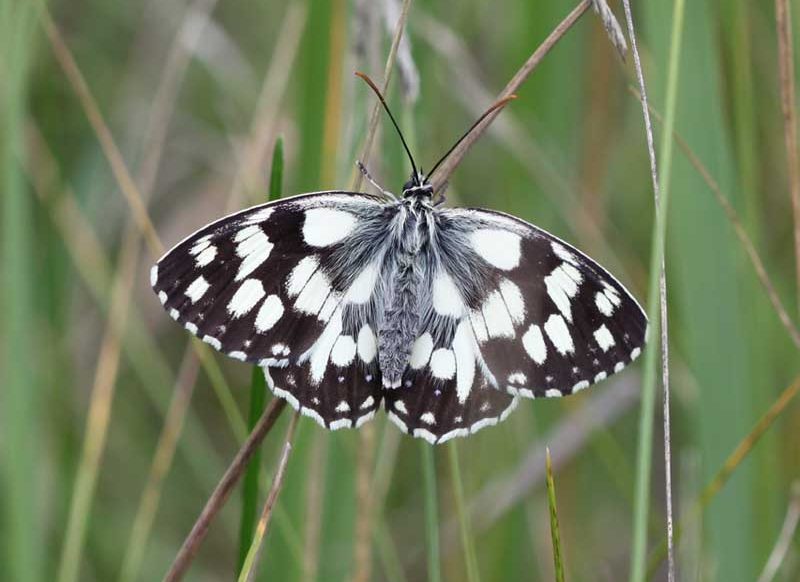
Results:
<point x="498" y="105"/>
<point x="377" y="91"/>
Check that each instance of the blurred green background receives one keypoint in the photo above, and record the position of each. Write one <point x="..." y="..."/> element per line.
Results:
<point x="195" y="95"/>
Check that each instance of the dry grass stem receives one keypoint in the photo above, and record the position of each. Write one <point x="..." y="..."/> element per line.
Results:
<point x="365" y="500"/>
<point x="783" y="18"/>
<point x="612" y="26"/>
<point x="661" y="211"/>
<point x="250" y="568"/>
<point x="376" y="109"/>
<point x="784" y="541"/>
<point x="446" y="169"/>
<point x="317" y="463"/>
<point x="223" y="490"/>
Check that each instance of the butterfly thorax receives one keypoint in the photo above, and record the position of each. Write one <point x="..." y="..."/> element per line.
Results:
<point x="401" y="317"/>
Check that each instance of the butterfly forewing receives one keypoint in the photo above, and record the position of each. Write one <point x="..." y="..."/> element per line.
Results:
<point x="262" y="284"/>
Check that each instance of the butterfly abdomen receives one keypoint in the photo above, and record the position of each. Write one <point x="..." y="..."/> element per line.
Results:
<point x="401" y="318"/>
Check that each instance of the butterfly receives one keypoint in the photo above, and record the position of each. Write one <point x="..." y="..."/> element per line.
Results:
<point x="446" y="317"/>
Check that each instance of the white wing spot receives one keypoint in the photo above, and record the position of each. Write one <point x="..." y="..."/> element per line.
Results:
<point x="341" y="423"/>
<point x="367" y="403"/>
<point x="619" y="366"/>
<point x="513" y="300"/>
<point x="260" y="216"/>
<point x="600" y="377"/>
<point x="344" y="350"/>
<point x="603" y="303"/>
<point x="321" y="350"/>
<point x="200" y="245"/>
<point x="326" y="226"/>
<point x="479" y="326"/>
<point x="173" y="313"/>
<point x="162" y="297"/>
<point x="443" y="364"/>
<point x="428" y="418"/>
<point x="556" y="329"/>
<point x="253" y="248"/>
<point x="562" y="287"/>
<point x="533" y="342"/>
<point x="191" y="328"/>
<point x="197" y="289"/>
<point x="153" y="275"/>
<point x="270" y="312"/>
<point x="421" y="351"/>
<point x="464" y="349"/>
<point x="343" y="406"/>
<point x="611" y="293"/>
<point x="205" y="257"/>
<point x="580" y="386"/>
<point x="563" y="254"/>
<point x="553" y="393"/>
<point x="446" y="297"/>
<point x="300" y="275"/>
<point x="498" y="320"/>
<point x="277" y="349"/>
<point x="360" y="290"/>
<point x="367" y="344"/>
<point x="500" y="248"/>
<point x="313" y="295"/>
<point x="213" y="342"/>
<point x="247" y="295"/>
<point x="400" y="407"/>
<point x="238" y="356"/>
<point x="517" y="378"/>
<point x="635" y="353"/>
<point x="604" y="338"/>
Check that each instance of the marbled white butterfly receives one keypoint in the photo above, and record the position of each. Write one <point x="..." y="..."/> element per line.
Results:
<point x="445" y="315"/>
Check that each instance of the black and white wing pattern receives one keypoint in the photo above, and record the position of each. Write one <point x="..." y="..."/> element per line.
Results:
<point x="271" y="285"/>
<point x="516" y="312"/>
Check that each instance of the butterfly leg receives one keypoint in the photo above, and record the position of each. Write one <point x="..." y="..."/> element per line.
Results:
<point x="369" y="178"/>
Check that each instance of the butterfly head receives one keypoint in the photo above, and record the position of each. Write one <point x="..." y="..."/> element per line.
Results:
<point x="417" y="186"/>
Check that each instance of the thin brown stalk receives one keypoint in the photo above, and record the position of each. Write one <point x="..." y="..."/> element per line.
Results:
<point x="784" y="541"/>
<point x="250" y="567"/>
<point x="223" y="490"/>
<point x="738" y="227"/>
<point x="365" y="500"/>
<point x="317" y="463"/>
<point x="783" y="18"/>
<point x="387" y="76"/>
<point x="162" y="461"/>
<point x="445" y="170"/>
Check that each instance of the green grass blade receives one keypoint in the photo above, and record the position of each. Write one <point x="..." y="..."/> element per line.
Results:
<point x="554" y="531"/>
<point x="473" y="574"/>
<point x="645" y="446"/>
<point x="258" y="397"/>
<point x="18" y="408"/>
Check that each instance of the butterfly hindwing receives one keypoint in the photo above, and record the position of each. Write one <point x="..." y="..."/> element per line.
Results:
<point x="444" y="393"/>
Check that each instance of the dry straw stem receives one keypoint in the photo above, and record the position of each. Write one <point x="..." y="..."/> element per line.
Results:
<point x="250" y="566"/>
<point x="223" y="490"/>
<point x="445" y="170"/>
<point x="738" y="227"/>
<point x="783" y="20"/>
<point x="612" y="26"/>
<point x="387" y="76"/>
<point x="784" y="541"/>
<point x="639" y="549"/>
<point x="730" y="465"/>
